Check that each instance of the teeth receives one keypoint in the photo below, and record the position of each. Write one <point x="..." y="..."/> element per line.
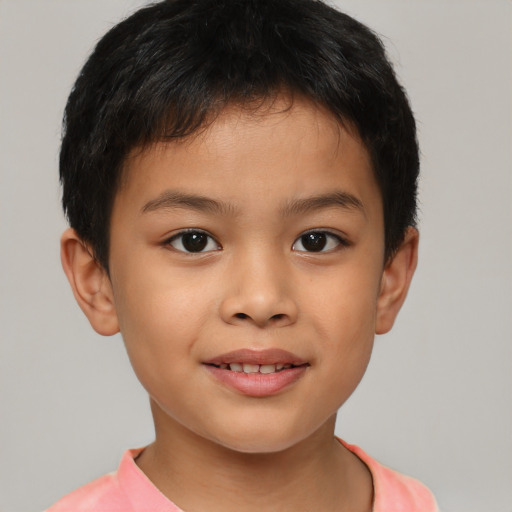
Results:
<point x="235" y="367"/>
<point x="251" y="368"/>
<point x="255" y="368"/>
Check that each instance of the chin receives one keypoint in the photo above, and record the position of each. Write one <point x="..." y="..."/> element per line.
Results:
<point x="259" y="446"/>
<point x="263" y="440"/>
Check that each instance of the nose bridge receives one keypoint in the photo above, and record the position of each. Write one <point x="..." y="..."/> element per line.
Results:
<point x="259" y="290"/>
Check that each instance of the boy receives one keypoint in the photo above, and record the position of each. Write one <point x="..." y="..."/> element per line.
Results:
<point x="240" y="181"/>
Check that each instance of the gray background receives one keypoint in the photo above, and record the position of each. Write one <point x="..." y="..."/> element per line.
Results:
<point x="437" y="399"/>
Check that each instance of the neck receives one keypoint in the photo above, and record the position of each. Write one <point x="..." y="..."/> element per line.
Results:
<point x="197" y="474"/>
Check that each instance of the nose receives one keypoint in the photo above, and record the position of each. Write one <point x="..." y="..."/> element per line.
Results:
<point x="259" y="291"/>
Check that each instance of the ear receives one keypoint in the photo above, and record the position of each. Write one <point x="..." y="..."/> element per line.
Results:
<point x="396" y="278"/>
<point x="90" y="283"/>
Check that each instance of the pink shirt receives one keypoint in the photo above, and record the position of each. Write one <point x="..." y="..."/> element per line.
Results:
<point x="129" y="490"/>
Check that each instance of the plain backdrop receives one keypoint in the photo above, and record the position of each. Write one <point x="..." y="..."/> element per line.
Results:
<point x="436" y="401"/>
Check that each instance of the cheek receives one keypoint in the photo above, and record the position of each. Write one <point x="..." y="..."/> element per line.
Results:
<point x="344" y="316"/>
<point x="161" y="316"/>
<point x="159" y="331"/>
<point x="344" y="303"/>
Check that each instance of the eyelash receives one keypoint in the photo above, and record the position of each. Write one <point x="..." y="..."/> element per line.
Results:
<point x="339" y="240"/>
<point x="179" y="237"/>
<point x="330" y="237"/>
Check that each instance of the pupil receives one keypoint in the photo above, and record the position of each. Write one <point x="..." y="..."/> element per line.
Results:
<point x="194" y="242"/>
<point x="314" y="241"/>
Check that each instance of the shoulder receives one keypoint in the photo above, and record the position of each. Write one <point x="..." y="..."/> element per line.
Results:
<point x="99" y="495"/>
<point x="394" y="492"/>
<point x="128" y="489"/>
<point x="106" y="494"/>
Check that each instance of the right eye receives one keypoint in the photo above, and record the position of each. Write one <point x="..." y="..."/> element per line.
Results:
<point x="193" y="241"/>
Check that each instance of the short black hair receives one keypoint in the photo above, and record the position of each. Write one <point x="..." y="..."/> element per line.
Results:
<point x="171" y="67"/>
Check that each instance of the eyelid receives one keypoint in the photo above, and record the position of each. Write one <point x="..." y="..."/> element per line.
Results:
<point x="342" y="240"/>
<point x="176" y="236"/>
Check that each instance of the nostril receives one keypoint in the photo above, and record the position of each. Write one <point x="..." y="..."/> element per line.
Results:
<point x="244" y="316"/>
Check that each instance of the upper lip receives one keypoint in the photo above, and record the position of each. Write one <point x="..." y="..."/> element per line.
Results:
<point x="250" y="356"/>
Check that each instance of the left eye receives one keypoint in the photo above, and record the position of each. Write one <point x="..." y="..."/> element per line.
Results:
<point x="193" y="242"/>
<point x="317" y="241"/>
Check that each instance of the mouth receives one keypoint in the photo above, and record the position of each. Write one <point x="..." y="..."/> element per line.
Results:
<point x="257" y="361"/>
<point x="257" y="373"/>
<point x="255" y="368"/>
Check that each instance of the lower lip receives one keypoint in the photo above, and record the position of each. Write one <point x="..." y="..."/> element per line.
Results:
<point x="258" y="384"/>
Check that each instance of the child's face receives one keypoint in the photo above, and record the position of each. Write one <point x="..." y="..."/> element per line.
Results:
<point x="246" y="192"/>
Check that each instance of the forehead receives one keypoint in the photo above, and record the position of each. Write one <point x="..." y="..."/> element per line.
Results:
<point x="281" y="145"/>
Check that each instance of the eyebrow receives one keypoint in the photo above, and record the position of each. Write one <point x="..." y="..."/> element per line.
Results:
<point x="337" y="199"/>
<point x="173" y="199"/>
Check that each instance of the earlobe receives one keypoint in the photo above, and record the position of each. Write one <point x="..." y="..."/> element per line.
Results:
<point x="90" y="283"/>
<point x="395" y="282"/>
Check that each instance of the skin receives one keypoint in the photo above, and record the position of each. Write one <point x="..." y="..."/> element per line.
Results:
<point x="255" y="286"/>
